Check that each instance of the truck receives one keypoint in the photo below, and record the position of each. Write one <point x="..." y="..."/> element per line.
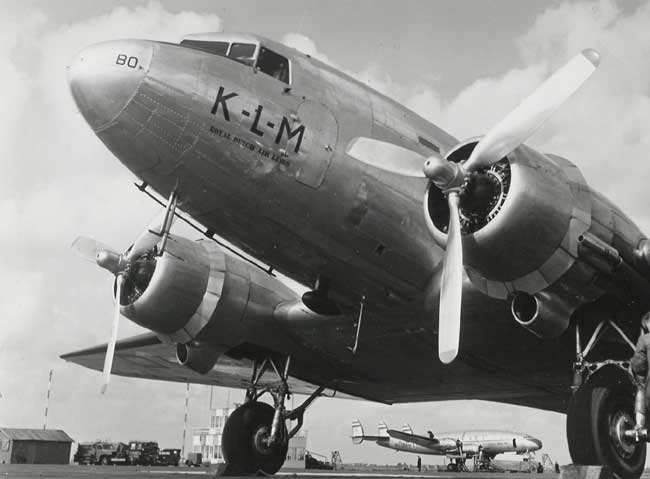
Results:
<point x="145" y="453"/>
<point x="100" y="452"/>
<point x="169" y="457"/>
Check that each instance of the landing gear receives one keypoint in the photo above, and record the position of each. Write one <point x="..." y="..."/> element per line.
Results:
<point x="457" y="465"/>
<point x="246" y="444"/>
<point x="255" y="438"/>
<point x="601" y="416"/>
<point x="600" y="413"/>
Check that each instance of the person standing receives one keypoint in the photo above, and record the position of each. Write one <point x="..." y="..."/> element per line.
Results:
<point x="640" y="366"/>
<point x="419" y="464"/>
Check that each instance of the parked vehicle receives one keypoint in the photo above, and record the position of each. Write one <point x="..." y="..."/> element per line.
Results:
<point x="169" y="457"/>
<point x="98" y="452"/>
<point x="144" y="453"/>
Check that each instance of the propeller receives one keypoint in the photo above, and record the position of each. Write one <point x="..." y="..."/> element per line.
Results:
<point x="121" y="265"/>
<point x="451" y="177"/>
<point x="110" y="351"/>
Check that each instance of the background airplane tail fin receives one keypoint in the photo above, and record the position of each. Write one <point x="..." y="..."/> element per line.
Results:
<point x="382" y="429"/>
<point x="357" y="432"/>
<point x="407" y="429"/>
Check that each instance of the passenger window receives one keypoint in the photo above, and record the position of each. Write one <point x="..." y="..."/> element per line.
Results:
<point x="243" y="52"/>
<point x="273" y="64"/>
<point x="218" y="48"/>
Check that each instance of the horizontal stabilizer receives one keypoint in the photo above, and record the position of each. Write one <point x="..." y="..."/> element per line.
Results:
<point x="358" y="436"/>
<point x="407" y="429"/>
<point x="414" y="438"/>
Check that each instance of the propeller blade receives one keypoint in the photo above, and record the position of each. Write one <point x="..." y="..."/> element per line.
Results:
<point x="533" y="111"/>
<point x="88" y="248"/>
<point x="148" y="238"/>
<point x="110" y="350"/>
<point x="451" y="289"/>
<point x="386" y="156"/>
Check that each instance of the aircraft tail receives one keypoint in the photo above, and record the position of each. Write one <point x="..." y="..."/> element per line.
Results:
<point x="358" y="436"/>
<point x="357" y="432"/>
<point x="382" y="429"/>
<point x="407" y="429"/>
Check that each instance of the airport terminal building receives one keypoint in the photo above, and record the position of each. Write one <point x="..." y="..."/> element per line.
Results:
<point x="34" y="446"/>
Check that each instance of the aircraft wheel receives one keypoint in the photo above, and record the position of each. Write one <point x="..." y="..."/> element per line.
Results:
<point x="599" y="412"/>
<point x="244" y="441"/>
<point x="104" y="461"/>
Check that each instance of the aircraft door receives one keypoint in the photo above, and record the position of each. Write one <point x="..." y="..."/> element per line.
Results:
<point x="320" y="136"/>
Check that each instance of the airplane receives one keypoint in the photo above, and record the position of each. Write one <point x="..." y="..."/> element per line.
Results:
<point x="457" y="446"/>
<point x="407" y="238"/>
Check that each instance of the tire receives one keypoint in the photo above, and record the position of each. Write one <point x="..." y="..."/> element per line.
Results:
<point x="597" y="413"/>
<point x="242" y="441"/>
<point x="104" y="461"/>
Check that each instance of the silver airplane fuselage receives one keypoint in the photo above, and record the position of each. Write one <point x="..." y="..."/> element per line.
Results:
<point x="223" y="131"/>
<point x="263" y="164"/>
<point x="490" y="442"/>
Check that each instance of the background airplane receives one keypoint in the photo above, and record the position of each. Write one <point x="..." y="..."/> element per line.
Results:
<point x="455" y="445"/>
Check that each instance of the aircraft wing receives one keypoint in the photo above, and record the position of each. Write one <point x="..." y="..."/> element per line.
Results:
<point x="145" y="356"/>
<point x="423" y="441"/>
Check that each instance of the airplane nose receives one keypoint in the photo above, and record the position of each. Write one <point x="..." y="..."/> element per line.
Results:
<point x="105" y="76"/>
<point x="537" y="442"/>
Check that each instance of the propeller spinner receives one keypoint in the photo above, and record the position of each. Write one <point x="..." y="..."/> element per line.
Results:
<point x="452" y="178"/>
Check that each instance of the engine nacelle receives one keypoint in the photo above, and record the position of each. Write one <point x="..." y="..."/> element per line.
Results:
<point x="163" y="293"/>
<point x="521" y="219"/>
<point x="200" y="297"/>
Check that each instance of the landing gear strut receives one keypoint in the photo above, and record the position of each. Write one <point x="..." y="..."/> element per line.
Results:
<point x="255" y="438"/>
<point x="601" y="424"/>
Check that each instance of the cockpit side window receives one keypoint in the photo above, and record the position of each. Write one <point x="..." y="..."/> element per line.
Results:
<point x="218" y="48"/>
<point x="273" y="64"/>
<point x="243" y="52"/>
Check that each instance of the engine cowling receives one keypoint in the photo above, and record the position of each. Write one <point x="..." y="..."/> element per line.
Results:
<point x="201" y="298"/>
<point x="175" y="294"/>
<point x="521" y="219"/>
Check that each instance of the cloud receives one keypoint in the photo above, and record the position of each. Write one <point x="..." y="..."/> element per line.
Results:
<point x="305" y="45"/>
<point x="603" y="128"/>
<point x="58" y="181"/>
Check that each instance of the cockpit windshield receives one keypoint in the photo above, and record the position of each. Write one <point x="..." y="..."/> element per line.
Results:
<point x="218" y="48"/>
<point x="263" y="59"/>
<point x="243" y="52"/>
<point x="273" y="64"/>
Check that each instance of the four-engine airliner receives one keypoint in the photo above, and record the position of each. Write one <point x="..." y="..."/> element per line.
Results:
<point x="457" y="446"/>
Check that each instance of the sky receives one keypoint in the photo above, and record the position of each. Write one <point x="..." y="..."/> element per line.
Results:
<point x="461" y="64"/>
